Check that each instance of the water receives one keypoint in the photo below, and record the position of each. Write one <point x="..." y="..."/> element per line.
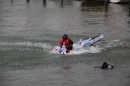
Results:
<point x="29" y="30"/>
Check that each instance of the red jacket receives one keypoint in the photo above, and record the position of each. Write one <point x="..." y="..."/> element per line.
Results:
<point x="65" y="42"/>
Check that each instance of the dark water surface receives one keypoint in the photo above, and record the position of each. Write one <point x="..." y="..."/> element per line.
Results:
<point x="29" y="30"/>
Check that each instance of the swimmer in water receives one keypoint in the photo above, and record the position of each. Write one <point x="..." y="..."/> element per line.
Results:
<point x="105" y="65"/>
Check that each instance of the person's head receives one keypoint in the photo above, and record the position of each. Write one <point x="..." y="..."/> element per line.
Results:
<point x="104" y="65"/>
<point x="65" y="36"/>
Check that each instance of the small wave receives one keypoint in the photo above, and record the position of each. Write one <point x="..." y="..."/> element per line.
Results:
<point x="26" y="45"/>
<point x="20" y="49"/>
<point x="113" y="43"/>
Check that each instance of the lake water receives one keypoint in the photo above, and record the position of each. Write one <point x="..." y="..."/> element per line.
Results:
<point x="28" y="31"/>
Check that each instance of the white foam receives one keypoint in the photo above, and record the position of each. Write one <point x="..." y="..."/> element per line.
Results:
<point x="90" y="49"/>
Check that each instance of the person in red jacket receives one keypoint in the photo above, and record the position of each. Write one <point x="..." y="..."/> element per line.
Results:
<point x="66" y="44"/>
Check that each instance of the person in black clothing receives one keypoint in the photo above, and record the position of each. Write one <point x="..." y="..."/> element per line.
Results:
<point x="105" y="65"/>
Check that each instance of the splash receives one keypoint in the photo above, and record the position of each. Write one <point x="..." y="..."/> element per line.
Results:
<point x="78" y="49"/>
<point x="104" y="45"/>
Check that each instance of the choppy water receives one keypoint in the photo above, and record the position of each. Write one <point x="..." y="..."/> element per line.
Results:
<point x="29" y="30"/>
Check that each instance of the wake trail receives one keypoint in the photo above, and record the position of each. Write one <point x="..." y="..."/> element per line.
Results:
<point x="24" y="45"/>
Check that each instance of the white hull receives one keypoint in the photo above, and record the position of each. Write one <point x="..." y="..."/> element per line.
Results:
<point x="118" y="1"/>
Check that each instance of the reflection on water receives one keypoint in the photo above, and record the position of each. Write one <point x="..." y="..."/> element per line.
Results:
<point x="91" y="6"/>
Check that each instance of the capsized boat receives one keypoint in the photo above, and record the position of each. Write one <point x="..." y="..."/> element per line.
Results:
<point x="78" y="48"/>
